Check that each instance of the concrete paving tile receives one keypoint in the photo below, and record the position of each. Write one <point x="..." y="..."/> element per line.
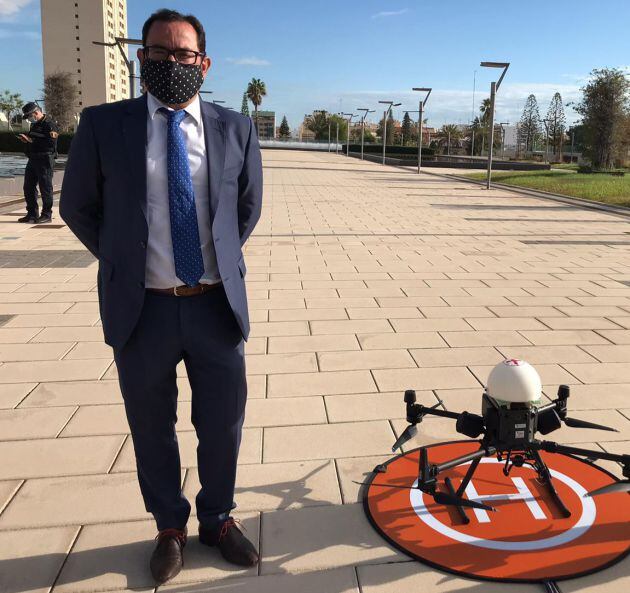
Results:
<point x="594" y="396"/>
<point x="21" y="424"/>
<point x="116" y="556"/>
<point x="329" y="383"/>
<point x="270" y="486"/>
<point x="319" y="538"/>
<point x="285" y="411"/>
<point x="483" y="338"/>
<point x="413" y="576"/>
<point x="339" y="302"/>
<point x="57" y="457"/>
<point x="456" y="312"/>
<point x="384" y="313"/>
<point x="439" y="357"/>
<point x="313" y="343"/>
<point x="47" y="502"/>
<point x="560" y="337"/>
<point x="11" y="394"/>
<point x="506" y="323"/>
<point x="371" y="406"/>
<point x="623" y="322"/>
<point x="256" y="346"/>
<point x="280" y="328"/>
<point x="577" y="323"/>
<point x="424" y="378"/>
<point x="18" y="335"/>
<point x="400" y="340"/>
<point x="7" y="491"/>
<point x="32" y="558"/>
<point x="73" y="393"/>
<point x="267" y="364"/>
<point x="29" y="308"/>
<point x="324" y="441"/>
<point x="33" y="352"/>
<point x="526" y="312"/>
<point x="610" y="372"/>
<point x="432" y="430"/>
<point x="58" y="370"/>
<point x="621" y="336"/>
<point x="356" y="469"/>
<point x="350" y="326"/>
<point x="430" y="325"/>
<point x="546" y="354"/>
<point x="307" y="314"/>
<point x="250" y="451"/>
<point x="52" y="320"/>
<point x="69" y="334"/>
<point x="87" y="350"/>
<point x="458" y="400"/>
<point x="608" y="353"/>
<point x="342" y="580"/>
<point x="368" y="359"/>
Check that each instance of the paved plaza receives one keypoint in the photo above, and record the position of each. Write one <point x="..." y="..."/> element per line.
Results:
<point x="363" y="281"/>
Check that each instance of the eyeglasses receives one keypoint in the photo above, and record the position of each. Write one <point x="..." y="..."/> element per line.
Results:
<point x="183" y="56"/>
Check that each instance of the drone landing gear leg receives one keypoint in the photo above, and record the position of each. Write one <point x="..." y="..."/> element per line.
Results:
<point x="545" y="477"/>
<point x="462" y="488"/>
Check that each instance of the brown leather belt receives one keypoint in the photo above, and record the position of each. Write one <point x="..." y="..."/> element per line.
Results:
<point x="182" y="291"/>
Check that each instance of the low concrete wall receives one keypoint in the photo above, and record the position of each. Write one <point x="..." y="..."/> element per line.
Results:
<point x="450" y="163"/>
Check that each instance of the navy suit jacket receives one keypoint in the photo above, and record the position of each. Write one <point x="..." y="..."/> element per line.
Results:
<point x="103" y="202"/>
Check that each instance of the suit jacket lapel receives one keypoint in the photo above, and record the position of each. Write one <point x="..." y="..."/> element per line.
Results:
<point x="135" y="134"/>
<point x="214" y="133"/>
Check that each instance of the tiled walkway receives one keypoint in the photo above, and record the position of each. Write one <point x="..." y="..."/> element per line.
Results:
<point x="363" y="281"/>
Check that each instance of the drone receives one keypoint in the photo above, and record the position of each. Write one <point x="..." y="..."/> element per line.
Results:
<point x="512" y="414"/>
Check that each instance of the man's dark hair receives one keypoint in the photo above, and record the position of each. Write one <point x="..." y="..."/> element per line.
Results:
<point x="165" y="15"/>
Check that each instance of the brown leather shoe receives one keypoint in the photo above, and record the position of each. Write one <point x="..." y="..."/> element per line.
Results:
<point x="168" y="557"/>
<point x="232" y="544"/>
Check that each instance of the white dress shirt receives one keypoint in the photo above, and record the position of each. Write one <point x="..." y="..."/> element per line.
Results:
<point x="160" y="267"/>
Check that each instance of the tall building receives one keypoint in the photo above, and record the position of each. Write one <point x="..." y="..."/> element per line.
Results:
<point x="68" y="29"/>
<point x="266" y="124"/>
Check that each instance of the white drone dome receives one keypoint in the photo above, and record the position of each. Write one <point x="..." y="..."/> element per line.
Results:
<point x="514" y="381"/>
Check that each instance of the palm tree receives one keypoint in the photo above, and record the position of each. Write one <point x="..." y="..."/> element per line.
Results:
<point x="256" y="90"/>
<point x="451" y="134"/>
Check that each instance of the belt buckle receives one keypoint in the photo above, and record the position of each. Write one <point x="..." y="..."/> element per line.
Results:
<point x="175" y="291"/>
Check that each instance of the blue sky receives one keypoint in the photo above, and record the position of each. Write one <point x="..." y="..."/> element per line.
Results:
<point x="344" y="54"/>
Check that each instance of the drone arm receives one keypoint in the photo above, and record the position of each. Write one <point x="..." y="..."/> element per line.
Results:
<point x="416" y="412"/>
<point x="483" y="452"/>
<point x="551" y="447"/>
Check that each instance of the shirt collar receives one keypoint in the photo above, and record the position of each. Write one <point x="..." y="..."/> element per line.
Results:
<point x="194" y="109"/>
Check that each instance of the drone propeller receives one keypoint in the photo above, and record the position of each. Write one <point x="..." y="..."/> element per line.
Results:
<point x="409" y="432"/>
<point x="439" y="497"/>
<point x="575" y="423"/>
<point x="623" y="486"/>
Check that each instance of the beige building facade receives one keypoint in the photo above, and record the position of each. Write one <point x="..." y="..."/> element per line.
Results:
<point x="68" y="29"/>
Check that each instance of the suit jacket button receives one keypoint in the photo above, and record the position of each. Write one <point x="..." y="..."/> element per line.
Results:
<point x="143" y="244"/>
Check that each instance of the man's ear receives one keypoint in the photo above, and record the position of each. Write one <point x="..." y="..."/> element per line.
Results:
<point x="140" y="55"/>
<point x="205" y="65"/>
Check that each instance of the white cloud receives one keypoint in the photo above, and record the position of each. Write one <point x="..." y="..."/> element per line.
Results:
<point x="249" y="61"/>
<point x="386" y="13"/>
<point x="9" y="8"/>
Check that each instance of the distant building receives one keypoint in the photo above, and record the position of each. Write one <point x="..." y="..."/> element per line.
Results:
<point x="266" y="124"/>
<point x="68" y="29"/>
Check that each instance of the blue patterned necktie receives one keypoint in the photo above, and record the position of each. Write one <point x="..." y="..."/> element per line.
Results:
<point x="189" y="266"/>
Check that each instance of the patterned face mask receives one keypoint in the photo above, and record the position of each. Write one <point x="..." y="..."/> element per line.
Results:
<point x="171" y="82"/>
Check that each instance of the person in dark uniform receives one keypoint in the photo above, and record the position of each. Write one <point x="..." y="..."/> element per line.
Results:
<point x="41" y="150"/>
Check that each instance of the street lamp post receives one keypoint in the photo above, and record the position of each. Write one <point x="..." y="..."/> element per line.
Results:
<point x="421" y="105"/>
<point x="503" y="123"/>
<point x="494" y="87"/>
<point x="363" y="125"/>
<point x="350" y="116"/>
<point x="546" y="124"/>
<point x="337" y="134"/>
<point x="386" y="113"/>
<point x="131" y="65"/>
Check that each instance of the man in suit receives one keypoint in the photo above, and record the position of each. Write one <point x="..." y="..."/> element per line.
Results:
<point x="164" y="190"/>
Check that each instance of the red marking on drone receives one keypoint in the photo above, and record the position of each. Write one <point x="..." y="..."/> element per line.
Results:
<point x="513" y="362"/>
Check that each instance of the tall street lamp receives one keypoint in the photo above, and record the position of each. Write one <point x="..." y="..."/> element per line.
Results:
<point x="546" y="123"/>
<point x="337" y="133"/>
<point x="131" y="64"/>
<point x="385" y="115"/>
<point x="363" y="124"/>
<point x="421" y="105"/>
<point x="350" y="116"/>
<point x="494" y="87"/>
